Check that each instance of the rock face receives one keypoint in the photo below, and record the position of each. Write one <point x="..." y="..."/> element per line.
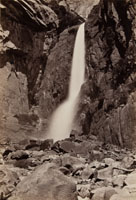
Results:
<point x="107" y="107"/>
<point x="24" y="46"/>
<point x="32" y="33"/>
<point x="58" y="70"/>
<point x="36" y="46"/>
<point x="29" y="30"/>
<point x="83" y="7"/>
<point x="13" y="102"/>
<point x="37" y="39"/>
<point x="111" y="62"/>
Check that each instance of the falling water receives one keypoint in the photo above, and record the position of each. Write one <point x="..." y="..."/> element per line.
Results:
<point x="62" y="119"/>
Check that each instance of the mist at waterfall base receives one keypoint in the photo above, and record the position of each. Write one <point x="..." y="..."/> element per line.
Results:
<point x="63" y="117"/>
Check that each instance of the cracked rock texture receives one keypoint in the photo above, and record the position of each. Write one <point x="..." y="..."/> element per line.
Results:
<point x="36" y="41"/>
<point x="107" y="107"/>
<point x="111" y="62"/>
<point x="98" y="160"/>
<point x="29" y="30"/>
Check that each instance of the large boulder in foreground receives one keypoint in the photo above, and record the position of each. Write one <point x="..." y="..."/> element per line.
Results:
<point x="46" y="182"/>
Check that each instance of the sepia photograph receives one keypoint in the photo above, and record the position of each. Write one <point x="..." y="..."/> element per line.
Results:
<point x="67" y="99"/>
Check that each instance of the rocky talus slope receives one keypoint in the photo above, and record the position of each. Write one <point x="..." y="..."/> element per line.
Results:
<point x="77" y="168"/>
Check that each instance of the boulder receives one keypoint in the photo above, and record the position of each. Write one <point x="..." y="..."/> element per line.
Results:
<point x="32" y="145"/>
<point x="131" y="179"/>
<point x="7" y="151"/>
<point x="128" y="162"/>
<point x="46" y="182"/>
<point x="103" y="193"/>
<point x="19" y="154"/>
<point x="1" y="160"/>
<point x="37" y="144"/>
<point x="65" y="170"/>
<point x="27" y="163"/>
<point x="49" y="156"/>
<point x="88" y="173"/>
<point x="66" y="146"/>
<point x="72" y="163"/>
<point x="105" y="174"/>
<point x="123" y="197"/>
<point x="80" y="198"/>
<point x="46" y="144"/>
<point x="131" y="189"/>
<point x="108" y="161"/>
<point x="97" y="165"/>
<point x="119" y="181"/>
<point x="8" y="181"/>
<point x="84" y="148"/>
<point x="84" y="190"/>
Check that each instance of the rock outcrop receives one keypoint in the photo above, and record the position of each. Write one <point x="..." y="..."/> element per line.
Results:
<point x="37" y="39"/>
<point x="111" y="62"/>
<point x="29" y="30"/>
<point x="36" y="46"/>
<point x="83" y="8"/>
<point x="13" y="102"/>
<point x="107" y="107"/>
<point x="54" y="88"/>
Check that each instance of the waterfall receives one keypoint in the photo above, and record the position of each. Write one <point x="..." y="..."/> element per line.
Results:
<point x="62" y="119"/>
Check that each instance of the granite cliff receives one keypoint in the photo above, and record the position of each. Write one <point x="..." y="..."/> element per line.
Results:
<point x="111" y="62"/>
<point x="107" y="107"/>
<point x="29" y="30"/>
<point x="98" y="160"/>
<point x="37" y="40"/>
